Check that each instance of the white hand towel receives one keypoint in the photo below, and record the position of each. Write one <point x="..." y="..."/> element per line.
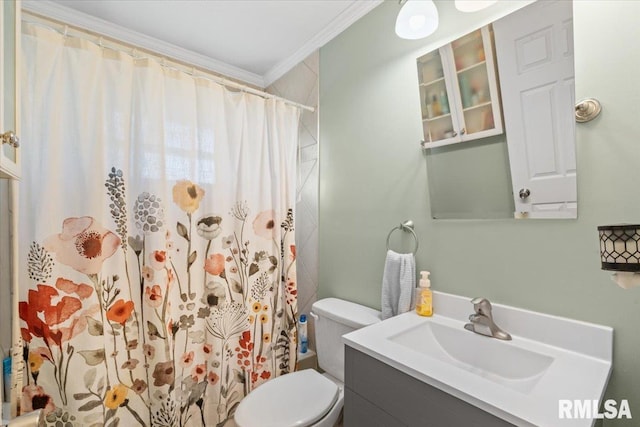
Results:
<point x="398" y="283"/>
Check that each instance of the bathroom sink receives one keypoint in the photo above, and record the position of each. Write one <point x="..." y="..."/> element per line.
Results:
<point x="499" y="361"/>
<point x="549" y="359"/>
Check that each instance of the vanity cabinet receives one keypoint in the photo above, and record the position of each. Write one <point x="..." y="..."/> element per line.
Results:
<point x="9" y="85"/>
<point x="459" y="95"/>
<point x="377" y="395"/>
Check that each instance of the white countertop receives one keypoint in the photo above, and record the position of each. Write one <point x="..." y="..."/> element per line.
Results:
<point x="581" y="352"/>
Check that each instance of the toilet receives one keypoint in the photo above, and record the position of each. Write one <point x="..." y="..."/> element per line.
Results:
<point x="307" y="398"/>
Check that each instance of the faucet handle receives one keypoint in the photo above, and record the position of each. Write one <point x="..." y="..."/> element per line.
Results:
<point x="481" y="306"/>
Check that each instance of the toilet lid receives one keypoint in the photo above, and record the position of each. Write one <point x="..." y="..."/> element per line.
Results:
<point x="292" y="400"/>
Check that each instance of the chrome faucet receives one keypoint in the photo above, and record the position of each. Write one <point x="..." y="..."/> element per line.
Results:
<point x="481" y="322"/>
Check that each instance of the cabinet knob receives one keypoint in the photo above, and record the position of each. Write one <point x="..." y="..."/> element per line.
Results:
<point x="10" y="138"/>
<point x="524" y="193"/>
<point x="463" y="131"/>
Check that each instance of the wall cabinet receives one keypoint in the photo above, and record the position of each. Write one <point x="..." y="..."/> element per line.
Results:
<point x="10" y="172"/>
<point x="9" y="79"/>
<point x="459" y="95"/>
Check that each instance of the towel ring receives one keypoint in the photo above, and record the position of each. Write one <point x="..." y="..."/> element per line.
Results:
<point x="405" y="226"/>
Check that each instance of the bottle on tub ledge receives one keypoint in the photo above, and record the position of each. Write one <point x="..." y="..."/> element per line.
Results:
<point x="424" y="296"/>
<point x="302" y="333"/>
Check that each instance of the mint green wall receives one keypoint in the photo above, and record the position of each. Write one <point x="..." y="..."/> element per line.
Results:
<point x="373" y="176"/>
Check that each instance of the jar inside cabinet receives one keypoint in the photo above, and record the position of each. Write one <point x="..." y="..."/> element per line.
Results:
<point x="459" y="92"/>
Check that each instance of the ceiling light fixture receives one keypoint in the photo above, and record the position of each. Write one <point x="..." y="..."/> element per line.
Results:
<point x="417" y="19"/>
<point x="473" y="5"/>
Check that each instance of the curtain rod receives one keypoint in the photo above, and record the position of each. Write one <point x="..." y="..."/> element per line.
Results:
<point x="119" y="46"/>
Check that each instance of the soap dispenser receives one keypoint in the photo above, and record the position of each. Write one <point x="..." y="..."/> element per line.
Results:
<point x="424" y="297"/>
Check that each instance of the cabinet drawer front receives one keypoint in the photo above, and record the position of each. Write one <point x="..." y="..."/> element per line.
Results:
<point x="407" y="399"/>
<point x="359" y="412"/>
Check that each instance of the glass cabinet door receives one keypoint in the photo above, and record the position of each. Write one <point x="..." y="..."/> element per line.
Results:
<point x="9" y="154"/>
<point x="437" y="121"/>
<point x="476" y="77"/>
<point x="459" y="96"/>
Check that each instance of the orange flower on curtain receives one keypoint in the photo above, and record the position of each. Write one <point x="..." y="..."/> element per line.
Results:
<point x="214" y="264"/>
<point x="120" y="311"/>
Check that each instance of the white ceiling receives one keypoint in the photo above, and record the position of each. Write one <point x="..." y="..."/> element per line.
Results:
<point x="253" y="40"/>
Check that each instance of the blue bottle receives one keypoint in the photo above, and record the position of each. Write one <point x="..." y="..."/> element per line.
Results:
<point x="6" y="377"/>
<point x="302" y="333"/>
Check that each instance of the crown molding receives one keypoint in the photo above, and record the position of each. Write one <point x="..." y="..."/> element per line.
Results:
<point x="55" y="11"/>
<point x="351" y="14"/>
<point x="91" y="23"/>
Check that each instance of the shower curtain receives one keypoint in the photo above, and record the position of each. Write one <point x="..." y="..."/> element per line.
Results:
<point x="158" y="281"/>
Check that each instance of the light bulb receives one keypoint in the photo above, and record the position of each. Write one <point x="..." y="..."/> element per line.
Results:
<point x="417" y="19"/>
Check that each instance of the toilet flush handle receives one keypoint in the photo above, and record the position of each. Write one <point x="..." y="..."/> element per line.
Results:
<point x="312" y="314"/>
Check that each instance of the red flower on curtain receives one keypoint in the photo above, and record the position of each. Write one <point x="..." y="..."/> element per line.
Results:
<point x="83" y="290"/>
<point x="198" y="372"/>
<point x="186" y="359"/>
<point x="41" y="314"/>
<point x="213" y="378"/>
<point x="83" y="245"/>
<point x="153" y="296"/>
<point x="291" y="291"/>
<point x="243" y="352"/>
<point x="157" y="259"/>
<point x="264" y="375"/>
<point x="56" y="319"/>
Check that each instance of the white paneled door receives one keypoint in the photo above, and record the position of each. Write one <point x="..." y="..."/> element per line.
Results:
<point x="535" y="59"/>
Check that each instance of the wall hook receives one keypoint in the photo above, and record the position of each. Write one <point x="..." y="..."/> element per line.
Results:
<point x="587" y="110"/>
<point x="407" y="224"/>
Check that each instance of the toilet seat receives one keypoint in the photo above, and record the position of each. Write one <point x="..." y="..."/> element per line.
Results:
<point x="298" y="399"/>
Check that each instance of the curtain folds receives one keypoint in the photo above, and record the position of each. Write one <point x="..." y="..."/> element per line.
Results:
<point x="157" y="227"/>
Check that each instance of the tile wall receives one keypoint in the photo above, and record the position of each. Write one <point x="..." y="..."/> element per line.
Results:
<point x="300" y="85"/>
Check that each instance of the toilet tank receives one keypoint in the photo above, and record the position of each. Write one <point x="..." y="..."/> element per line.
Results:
<point x="334" y="318"/>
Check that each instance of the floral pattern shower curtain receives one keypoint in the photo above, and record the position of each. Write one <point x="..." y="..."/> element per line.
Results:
<point x="159" y="282"/>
